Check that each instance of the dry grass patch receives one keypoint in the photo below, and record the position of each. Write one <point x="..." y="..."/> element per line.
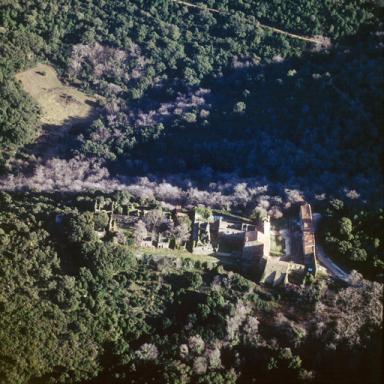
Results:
<point x="60" y="104"/>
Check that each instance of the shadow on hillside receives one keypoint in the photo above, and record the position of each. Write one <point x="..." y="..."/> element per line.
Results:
<point x="58" y="141"/>
<point x="300" y="121"/>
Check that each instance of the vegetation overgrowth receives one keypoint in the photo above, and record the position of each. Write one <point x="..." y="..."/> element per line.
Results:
<point x="353" y="236"/>
<point x="230" y="107"/>
<point x="78" y="309"/>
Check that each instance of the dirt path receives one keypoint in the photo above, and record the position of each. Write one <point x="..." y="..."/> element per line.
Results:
<point x="313" y="40"/>
<point x="332" y="268"/>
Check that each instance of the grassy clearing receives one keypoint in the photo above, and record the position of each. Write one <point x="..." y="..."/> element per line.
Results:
<point x="60" y="104"/>
<point x="176" y="253"/>
<point x="277" y="245"/>
<point x="231" y="215"/>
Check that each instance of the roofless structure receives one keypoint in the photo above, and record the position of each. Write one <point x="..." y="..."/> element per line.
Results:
<point x="308" y="238"/>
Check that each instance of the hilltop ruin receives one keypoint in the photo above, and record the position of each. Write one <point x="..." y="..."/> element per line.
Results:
<point x="248" y="245"/>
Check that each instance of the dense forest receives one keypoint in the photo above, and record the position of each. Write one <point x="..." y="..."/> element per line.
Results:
<point x="189" y="87"/>
<point x="102" y="314"/>
<point x="263" y="121"/>
<point x="353" y="234"/>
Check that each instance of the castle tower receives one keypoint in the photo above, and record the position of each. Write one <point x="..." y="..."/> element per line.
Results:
<point x="208" y="232"/>
<point x="219" y="224"/>
<point x="267" y="225"/>
<point x="267" y="236"/>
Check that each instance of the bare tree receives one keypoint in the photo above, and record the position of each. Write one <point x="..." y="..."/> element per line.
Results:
<point x="181" y="233"/>
<point x="153" y="219"/>
<point x="140" y="232"/>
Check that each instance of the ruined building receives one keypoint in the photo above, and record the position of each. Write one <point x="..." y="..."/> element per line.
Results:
<point x="308" y="238"/>
<point x="232" y="240"/>
<point x="276" y="271"/>
<point x="107" y="207"/>
<point x="201" y="242"/>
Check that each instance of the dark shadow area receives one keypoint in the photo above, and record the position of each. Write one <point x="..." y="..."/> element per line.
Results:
<point x="56" y="141"/>
<point x="297" y="122"/>
<point x="91" y="103"/>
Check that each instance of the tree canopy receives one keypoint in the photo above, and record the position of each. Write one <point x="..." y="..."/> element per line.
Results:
<point x="75" y="308"/>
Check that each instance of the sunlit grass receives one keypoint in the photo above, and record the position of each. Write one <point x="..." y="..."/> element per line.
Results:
<point x="58" y="102"/>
